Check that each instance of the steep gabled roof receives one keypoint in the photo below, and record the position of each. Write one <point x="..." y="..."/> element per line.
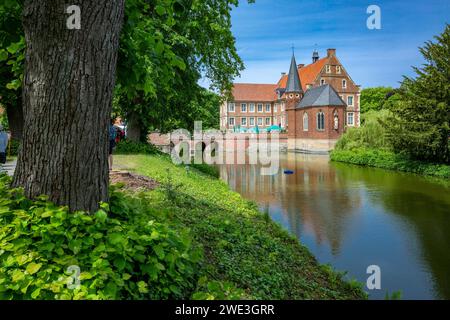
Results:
<point x="307" y="74"/>
<point x="254" y="92"/>
<point x="293" y="79"/>
<point x="321" y="96"/>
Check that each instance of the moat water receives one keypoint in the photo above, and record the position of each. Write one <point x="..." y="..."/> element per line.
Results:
<point x="352" y="217"/>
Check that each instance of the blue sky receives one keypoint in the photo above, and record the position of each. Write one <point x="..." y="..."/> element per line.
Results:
<point x="266" y="30"/>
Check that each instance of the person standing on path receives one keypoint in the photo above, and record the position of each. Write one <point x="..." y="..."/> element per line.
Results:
<point x="3" y="145"/>
<point x="112" y="142"/>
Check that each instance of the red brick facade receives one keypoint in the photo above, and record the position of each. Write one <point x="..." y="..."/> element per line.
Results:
<point x="243" y="111"/>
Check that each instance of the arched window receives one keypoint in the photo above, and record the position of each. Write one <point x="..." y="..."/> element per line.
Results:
<point x="320" y="121"/>
<point x="336" y="120"/>
<point x="305" y="122"/>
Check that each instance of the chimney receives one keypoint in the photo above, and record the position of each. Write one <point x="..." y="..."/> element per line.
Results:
<point x="331" y="52"/>
<point x="283" y="74"/>
<point x="301" y="65"/>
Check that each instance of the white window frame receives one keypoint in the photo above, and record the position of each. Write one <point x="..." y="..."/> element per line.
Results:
<point x="260" y="105"/>
<point x="344" y="84"/>
<point x="353" y="100"/>
<point x="328" y="68"/>
<point x="231" y="107"/>
<point x="352" y="123"/>
<point x="338" y="69"/>
<point x="251" y="107"/>
<point x="268" y="123"/>
<point x="260" y="123"/>
<point x="322" y="82"/>
<point x="270" y="107"/>
<point x="305" y="122"/>
<point x="229" y="121"/>
<point x="244" y="119"/>
<point x="275" y="107"/>
<point x="243" y="106"/>
<point x="251" y="121"/>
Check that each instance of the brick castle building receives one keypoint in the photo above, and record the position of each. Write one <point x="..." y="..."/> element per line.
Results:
<point x="313" y="103"/>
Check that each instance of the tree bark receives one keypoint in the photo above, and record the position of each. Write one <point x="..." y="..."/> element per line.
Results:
<point x="134" y="128"/>
<point x="15" y="119"/>
<point x="67" y="101"/>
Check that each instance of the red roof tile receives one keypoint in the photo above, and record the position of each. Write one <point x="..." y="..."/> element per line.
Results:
<point x="307" y="74"/>
<point x="254" y="92"/>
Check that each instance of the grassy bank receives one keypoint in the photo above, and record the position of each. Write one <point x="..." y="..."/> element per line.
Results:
<point x="243" y="249"/>
<point x="391" y="161"/>
<point x="190" y="238"/>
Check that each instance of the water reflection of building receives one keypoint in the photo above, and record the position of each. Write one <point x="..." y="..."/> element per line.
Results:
<point x="310" y="200"/>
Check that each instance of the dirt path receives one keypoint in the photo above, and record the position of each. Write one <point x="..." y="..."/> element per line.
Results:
<point x="132" y="181"/>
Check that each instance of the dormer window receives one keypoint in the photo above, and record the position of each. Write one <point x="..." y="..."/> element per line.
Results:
<point x="338" y="69"/>
<point x="344" y="84"/>
<point x="328" y="68"/>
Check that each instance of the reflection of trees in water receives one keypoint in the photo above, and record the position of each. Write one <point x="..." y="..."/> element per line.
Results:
<point x="309" y="199"/>
<point x="423" y="204"/>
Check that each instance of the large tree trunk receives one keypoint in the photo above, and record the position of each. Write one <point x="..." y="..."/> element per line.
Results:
<point x="134" y="128"/>
<point x="67" y="96"/>
<point x="15" y="119"/>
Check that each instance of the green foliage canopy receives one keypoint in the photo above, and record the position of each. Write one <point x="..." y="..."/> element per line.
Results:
<point x="419" y="126"/>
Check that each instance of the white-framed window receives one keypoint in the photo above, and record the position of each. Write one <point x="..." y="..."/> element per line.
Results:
<point x="322" y="82"/>
<point x="344" y="84"/>
<point x="350" y="119"/>
<point x="243" y="107"/>
<point x="251" y="107"/>
<point x="305" y="122"/>
<point x="320" y="121"/>
<point x="282" y="107"/>
<point x="252" y="121"/>
<point x="275" y="107"/>
<point x="231" y="107"/>
<point x="338" y="69"/>
<point x="260" y="107"/>
<point x="231" y="121"/>
<point x="260" y="121"/>
<point x="268" y="121"/>
<point x="350" y="100"/>
<point x="328" y="68"/>
<point x="244" y="121"/>
<point x="268" y="107"/>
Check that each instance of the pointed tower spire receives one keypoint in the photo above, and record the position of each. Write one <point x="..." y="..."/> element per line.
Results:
<point x="293" y="83"/>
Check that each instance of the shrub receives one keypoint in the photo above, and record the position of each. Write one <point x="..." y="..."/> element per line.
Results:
<point x="130" y="147"/>
<point x="391" y="161"/>
<point x="121" y="253"/>
<point x="370" y="135"/>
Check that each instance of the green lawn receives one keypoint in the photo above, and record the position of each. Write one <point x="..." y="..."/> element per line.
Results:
<point x="243" y="248"/>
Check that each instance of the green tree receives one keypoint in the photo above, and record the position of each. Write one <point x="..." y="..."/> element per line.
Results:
<point x="12" y="48"/>
<point x="67" y="108"/>
<point x="419" y="126"/>
<point x="374" y="98"/>
<point x="166" y="47"/>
